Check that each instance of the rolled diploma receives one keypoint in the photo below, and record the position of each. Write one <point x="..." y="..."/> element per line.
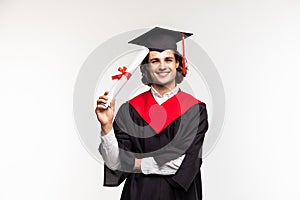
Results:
<point x="113" y="92"/>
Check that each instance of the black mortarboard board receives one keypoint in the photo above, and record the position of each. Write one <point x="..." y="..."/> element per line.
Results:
<point x="160" y="39"/>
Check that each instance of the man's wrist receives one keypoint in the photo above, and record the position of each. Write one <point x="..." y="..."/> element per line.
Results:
<point x="106" y="128"/>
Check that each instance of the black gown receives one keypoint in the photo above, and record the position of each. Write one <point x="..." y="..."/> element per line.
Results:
<point x="144" y="128"/>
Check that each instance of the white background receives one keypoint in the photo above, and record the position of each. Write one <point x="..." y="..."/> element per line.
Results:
<point x="254" y="44"/>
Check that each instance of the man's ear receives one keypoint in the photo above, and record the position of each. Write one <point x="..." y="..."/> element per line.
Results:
<point x="177" y="64"/>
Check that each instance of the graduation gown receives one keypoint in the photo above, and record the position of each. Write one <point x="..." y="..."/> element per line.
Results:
<point x="144" y="128"/>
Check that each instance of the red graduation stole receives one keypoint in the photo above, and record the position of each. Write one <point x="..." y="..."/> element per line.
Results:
<point x="160" y="116"/>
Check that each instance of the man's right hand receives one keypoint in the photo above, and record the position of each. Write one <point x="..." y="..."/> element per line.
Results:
<point x="105" y="115"/>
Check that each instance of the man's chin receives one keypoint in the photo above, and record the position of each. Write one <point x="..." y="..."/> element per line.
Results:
<point x="162" y="84"/>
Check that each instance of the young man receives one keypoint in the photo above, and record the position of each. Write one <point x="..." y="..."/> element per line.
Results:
<point x="155" y="140"/>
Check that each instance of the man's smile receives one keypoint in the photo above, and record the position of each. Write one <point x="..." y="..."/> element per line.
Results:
<point x="162" y="74"/>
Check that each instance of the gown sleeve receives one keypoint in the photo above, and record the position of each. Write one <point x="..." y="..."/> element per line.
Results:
<point x="126" y="157"/>
<point x="193" y="134"/>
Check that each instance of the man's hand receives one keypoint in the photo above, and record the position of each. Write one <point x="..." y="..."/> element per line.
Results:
<point x="105" y="115"/>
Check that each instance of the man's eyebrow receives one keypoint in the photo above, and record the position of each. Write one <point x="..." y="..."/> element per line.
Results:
<point x="169" y="57"/>
<point x="153" y="59"/>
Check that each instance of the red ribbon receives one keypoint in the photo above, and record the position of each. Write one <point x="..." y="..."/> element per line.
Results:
<point x="123" y="73"/>
<point x="183" y="57"/>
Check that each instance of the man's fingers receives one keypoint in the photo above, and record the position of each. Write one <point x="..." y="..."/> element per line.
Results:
<point x="103" y="97"/>
<point x="101" y="107"/>
<point x="101" y="104"/>
<point x="101" y="101"/>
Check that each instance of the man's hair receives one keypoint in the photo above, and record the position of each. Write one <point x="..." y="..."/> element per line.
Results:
<point x="146" y="78"/>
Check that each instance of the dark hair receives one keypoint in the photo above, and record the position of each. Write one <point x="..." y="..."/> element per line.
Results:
<point x="146" y="78"/>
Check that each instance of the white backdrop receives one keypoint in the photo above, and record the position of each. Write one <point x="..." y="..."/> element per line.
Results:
<point x="254" y="44"/>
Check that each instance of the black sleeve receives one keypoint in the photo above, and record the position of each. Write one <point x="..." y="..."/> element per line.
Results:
<point x="127" y="158"/>
<point x="113" y="177"/>
<point x="192" y="161"/>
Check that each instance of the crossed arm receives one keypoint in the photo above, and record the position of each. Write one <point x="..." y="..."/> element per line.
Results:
<point x="109" y="150"/>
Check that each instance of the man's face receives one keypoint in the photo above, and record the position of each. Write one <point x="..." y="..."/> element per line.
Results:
<point x="162" y="67"/>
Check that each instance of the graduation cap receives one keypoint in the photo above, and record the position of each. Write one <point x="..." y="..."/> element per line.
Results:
<point x="160" y="39"/>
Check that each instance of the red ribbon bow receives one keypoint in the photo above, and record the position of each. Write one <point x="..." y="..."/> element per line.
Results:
<point x="123" y="72"/>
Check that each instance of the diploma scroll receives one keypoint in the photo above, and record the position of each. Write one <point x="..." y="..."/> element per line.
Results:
<point x="113" y="92"/>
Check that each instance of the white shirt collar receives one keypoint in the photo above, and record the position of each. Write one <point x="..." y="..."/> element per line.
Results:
<point x="166" y="95"/>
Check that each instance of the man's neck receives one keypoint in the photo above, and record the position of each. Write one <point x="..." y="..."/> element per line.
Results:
<point x="163" y="89"/>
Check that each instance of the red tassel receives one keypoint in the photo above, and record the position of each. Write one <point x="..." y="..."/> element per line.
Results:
<point x="183" y="57"/>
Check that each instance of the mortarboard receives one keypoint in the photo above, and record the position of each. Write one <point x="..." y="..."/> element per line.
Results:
<point x="161" y="39"/>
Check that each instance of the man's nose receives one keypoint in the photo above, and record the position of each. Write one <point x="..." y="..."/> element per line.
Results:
<point x="162" y="65"/>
